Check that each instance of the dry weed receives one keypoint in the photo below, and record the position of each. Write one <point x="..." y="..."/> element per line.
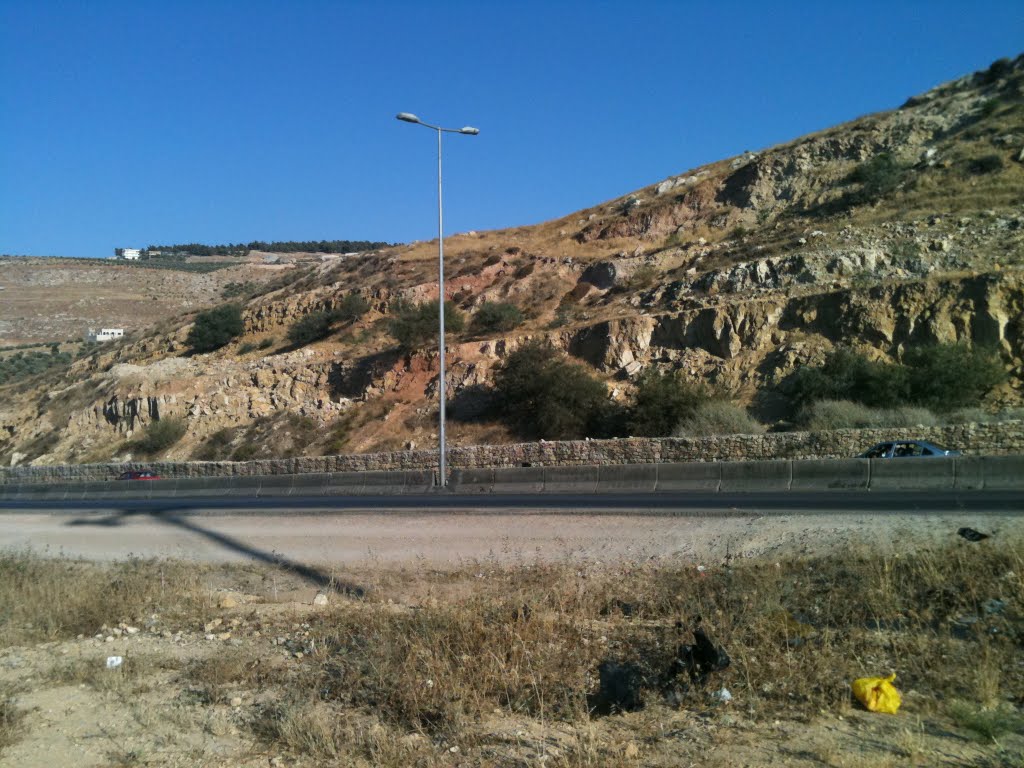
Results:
<point x="377" y="682"/>
<point x="216" y="678"/>
<point x="323" y="732"/>
<point x="988" y="723"/>
<point x="11" y="717"/>
<point x="135" y="674"/>
<point x="52" y="599"/>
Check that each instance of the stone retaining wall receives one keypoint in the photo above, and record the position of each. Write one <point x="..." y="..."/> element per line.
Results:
<point x="990" y="439"/>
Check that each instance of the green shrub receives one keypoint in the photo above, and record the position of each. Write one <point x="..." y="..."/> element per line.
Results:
<point x="940" y="377"/>
<point x="233" y="290"/>
<point x="160" y="435"/>
<point x="644" y="277"/>
<point x="981" y="416"/>
<point x="564" y="314"/>
<point x="215" y="328"/>
<point x="826" y="415"/>
<point x="905" y="250"/>
<point x="267" y="343"/>
<point x="244" y="452"/>
<point x="718" y="417"/>
<point x="496" y="317"/>
<point x="988" y="107"/>
<point x="848" y="375"/>
<point x="948" y="376"/>
<point x="246" y="348"/>
<point x="312" y="327"/>
<point x="876" y="178"/>
<point x="416" y="326"/>
<point x="540" y="393"/>
<point x="878" y="175"/>
<point x="351" y="308"/>
<point x="985" y="164"/>
<point x="524" y="270"/>
<point x="674" y="240"/>
<point x="338" y="435"/>
<point x="216" y="447"/>
<point x="22" y="364"/>
<point x="661" y="403"/>
<point x="997" y="70"/>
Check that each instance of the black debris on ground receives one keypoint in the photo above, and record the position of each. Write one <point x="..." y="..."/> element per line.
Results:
<point x="699" y="659"/>
<point x="972" y="535"/>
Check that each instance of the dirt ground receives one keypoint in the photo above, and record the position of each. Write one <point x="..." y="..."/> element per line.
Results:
<point x="439" y="540"/>
<point x="117" y="719"/>
<point x="186" y="691"/>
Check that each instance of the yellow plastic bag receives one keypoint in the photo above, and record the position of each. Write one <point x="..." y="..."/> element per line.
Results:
<point x="878" y="694"/>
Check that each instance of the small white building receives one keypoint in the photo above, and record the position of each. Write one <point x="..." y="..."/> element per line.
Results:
<point x="131" y="254"/>
<point x="104" y="334"/>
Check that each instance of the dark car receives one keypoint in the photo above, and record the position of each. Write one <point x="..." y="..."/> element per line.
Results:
<point x="139" y="474"/>
<point x="901" y="449"/>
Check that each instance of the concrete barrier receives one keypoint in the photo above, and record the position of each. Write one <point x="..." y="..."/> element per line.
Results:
<point x="776" y="475"/>
<point x="831" y="474"/>
<point x="1003" y="473"/>
<point x="50" y="493"/>
<point x="103" y="489"/>
<point x="9" y="491"/>
<point x="471" y="480"/>
<point x="77" y="492"/>
<point x="912" y="474"/>
<point x="384" y="483"/>
<point x="570" y="479"/>
<point x="141" y="489"/>
<point x="276" y="485"/>
<point x="28" y="492"/>
<point x="518" y="480"/>
<point x="621" y="478"/>
<point x="160" y="488"/>
<point x="969" y="473"/>
<point x="309" y="484"/>
<point x="247" y="486"/>
<point x="419" y="481"/>
<point x="200" y="487"/>
<point x="689" y="477"/>
<point x="962" y="473"/>
<point x="344" y="483"/>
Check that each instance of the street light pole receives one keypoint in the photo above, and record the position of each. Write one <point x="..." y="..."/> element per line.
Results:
<point x="469" y="131"/>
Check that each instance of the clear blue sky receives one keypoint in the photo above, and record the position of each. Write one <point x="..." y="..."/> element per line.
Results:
<point x="124" y="124"/>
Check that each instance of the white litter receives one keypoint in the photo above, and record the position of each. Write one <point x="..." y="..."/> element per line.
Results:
<point x="113" y="662"/>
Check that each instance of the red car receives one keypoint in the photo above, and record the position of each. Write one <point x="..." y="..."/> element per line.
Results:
<point x="139" y="474"/>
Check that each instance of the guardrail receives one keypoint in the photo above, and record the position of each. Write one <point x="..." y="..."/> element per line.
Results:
<point x="964" y="473"/>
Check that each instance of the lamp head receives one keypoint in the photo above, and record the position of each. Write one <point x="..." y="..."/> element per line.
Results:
<point x="407" y="117"/>
<point x="470" y="130"/>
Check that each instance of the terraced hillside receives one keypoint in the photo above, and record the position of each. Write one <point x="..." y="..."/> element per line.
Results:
<point x="897" y="230"/>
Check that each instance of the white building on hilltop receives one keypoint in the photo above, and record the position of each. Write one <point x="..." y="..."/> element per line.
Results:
<point x="131" y="254"/>
<point x="104" y="334"/>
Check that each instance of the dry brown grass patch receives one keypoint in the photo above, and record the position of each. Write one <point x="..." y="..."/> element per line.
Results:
<point x="53" y="599"/>
<point x="431" y="661"/>
<point x="11" y="718"/>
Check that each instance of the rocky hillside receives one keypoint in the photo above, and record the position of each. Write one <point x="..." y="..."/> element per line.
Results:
<point x="898" y="229"/>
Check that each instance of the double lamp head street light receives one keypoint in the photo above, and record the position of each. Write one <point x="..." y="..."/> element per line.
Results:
<point x="410" y="118"/>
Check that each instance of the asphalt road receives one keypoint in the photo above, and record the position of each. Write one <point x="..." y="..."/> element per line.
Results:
<point x="676" y="503"/>
<point x="316" y="536"/>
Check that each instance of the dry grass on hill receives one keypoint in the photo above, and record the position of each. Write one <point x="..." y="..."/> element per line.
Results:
<point x="496" y="665"/>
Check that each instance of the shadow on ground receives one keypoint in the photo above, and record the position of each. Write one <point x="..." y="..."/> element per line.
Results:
<point x="174" y="516"/>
